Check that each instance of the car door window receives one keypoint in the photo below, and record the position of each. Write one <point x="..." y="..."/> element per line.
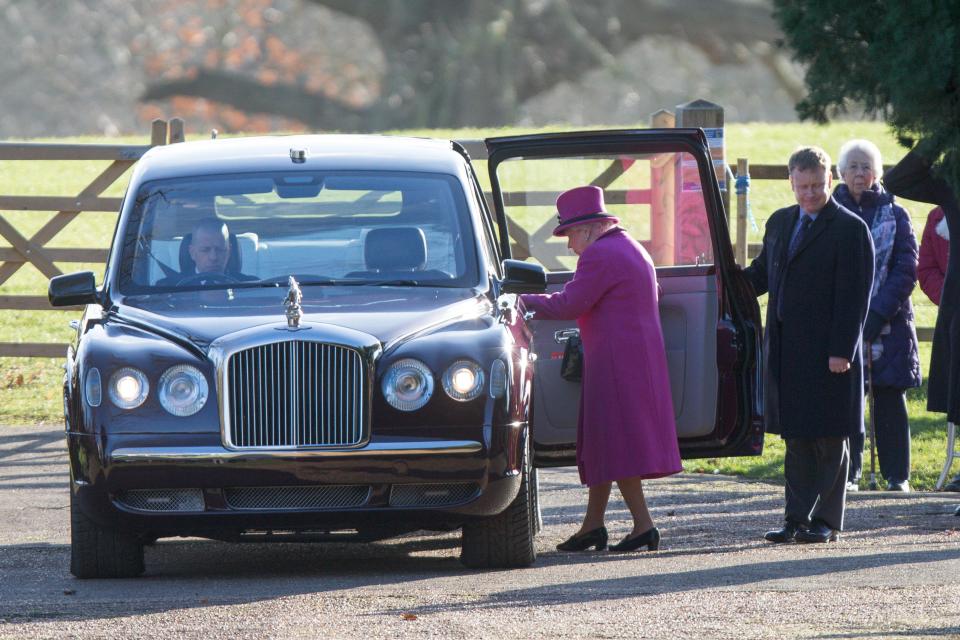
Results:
<point x="658" y="198"/>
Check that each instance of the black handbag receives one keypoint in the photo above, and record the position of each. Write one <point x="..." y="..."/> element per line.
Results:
<point x="571" y="368"/>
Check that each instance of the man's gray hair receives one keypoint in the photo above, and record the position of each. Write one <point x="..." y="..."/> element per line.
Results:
<point x="212" y="226"/>
<point x="867" y="148"/>
<point x="809" y="159"/>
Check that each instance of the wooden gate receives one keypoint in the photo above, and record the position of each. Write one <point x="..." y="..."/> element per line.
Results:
<point x="32" y="250"/>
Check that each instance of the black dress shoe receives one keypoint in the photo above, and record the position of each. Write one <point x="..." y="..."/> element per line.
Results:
<point x="818" y="532"/>
<point x="787" y="534"/>
<point x="957" y="512"/>
<point x="596" y="538"/>
<point x="953" y="485"/>
<point x="649" y="539"/>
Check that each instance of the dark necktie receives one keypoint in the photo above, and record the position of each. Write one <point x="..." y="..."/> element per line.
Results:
<point x="798" y="236"/>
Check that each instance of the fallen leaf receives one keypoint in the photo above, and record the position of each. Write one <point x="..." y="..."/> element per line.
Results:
<point x="408" y="616"/>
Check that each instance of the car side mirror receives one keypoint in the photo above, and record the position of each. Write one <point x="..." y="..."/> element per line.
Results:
<point x="523" y="277"/>
<point x="73" y="289"/>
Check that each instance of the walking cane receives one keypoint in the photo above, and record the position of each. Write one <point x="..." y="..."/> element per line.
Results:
<point x="873" y="421"/>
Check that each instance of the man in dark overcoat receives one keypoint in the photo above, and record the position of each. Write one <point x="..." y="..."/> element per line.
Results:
<point x="915" y="179"/>
<point x="817" y="265"/>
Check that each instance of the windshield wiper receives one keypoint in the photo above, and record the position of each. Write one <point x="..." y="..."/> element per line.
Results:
<point x="385" y="283"/>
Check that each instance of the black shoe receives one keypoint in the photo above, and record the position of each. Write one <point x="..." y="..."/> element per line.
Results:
<point x="787" y="534"/>
<point x="957" y="512"/>
<point x="818" y="532"/>
<point x="596" y="538"/>
<point x="899" y="485"/>
<point x="649" y="539"/>
<point x="953" y="485"/>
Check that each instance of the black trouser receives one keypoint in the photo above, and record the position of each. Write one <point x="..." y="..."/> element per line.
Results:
<point x="893" y="436"/>
<point x="815" y="470"/>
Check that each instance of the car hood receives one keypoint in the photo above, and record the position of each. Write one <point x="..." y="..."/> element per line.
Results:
<point x="387" y="313"/>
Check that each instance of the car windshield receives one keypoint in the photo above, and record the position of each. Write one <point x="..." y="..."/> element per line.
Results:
<point x="361" y="228"/>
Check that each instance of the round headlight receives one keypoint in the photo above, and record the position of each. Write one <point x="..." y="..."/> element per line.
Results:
<point x="463" y="380"/>
<point x="183" y="390"/>
<point x="91" y="388"/>
<point x="407" y="384"/>
<point x="128" y="388"/>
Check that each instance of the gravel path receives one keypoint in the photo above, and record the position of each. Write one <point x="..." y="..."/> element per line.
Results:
<point x="895" y="572"/>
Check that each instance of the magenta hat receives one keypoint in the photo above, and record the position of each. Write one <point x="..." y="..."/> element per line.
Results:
<point x="580" y="205"/>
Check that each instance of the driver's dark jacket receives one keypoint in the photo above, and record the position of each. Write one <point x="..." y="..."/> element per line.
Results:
<point x="175" y="279"/>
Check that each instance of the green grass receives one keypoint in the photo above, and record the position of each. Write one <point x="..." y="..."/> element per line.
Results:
<point x="30" y="387"/>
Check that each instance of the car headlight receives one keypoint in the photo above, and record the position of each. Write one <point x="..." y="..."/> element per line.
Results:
<point x="183" y="390"/>
<point x="92" y="389"/>
<point x="128" y="388"/>
<point x="463" y="380"/>
<point x="408" y="384"/>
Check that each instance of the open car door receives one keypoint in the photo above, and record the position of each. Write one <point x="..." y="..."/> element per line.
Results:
<point x="660" y="183"/>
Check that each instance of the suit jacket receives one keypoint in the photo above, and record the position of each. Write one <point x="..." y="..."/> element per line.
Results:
<point x="823" y="292"/>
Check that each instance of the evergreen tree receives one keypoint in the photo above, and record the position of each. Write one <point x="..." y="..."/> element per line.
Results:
<point x="900" y="59"/>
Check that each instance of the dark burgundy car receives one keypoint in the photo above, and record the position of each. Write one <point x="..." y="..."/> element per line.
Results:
<point x="316" y="338"/>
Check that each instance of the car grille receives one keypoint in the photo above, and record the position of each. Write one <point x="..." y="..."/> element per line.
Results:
<point x="293" y="498"/>
<point x="432" y="495"/>
<point x="164" y="500"/>
<point x="296" y="394"/>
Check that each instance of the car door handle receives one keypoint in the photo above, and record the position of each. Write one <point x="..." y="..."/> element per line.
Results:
<point x="563" y="335"/>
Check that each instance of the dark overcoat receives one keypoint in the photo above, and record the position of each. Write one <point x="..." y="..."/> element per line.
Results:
<point x="823" y="293"/>
<point x="912" y="178"/>
<point x="896" y="363"/>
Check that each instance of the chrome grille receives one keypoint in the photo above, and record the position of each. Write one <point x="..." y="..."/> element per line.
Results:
<point x="431" y="495"/>
<point x="293" y="498"/>
<point x="164" y="500"/>
<point x="296" y="394"/>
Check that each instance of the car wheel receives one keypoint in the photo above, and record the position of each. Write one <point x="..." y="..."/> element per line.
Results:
<point x="96" y="552"/>
<point x="505" y="540"/>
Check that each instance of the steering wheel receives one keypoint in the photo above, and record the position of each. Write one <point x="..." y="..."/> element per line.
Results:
<point x="207" y="277"/>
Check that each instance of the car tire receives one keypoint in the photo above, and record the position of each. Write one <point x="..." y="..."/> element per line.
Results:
<point x="506" y="540"/>
<point x="97" y="552"/>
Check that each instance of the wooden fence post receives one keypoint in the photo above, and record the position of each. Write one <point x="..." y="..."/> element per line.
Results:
<point x="662" y="200"/>
<point x="158" y="133"/>
<point x="692" y="238"/>
<point x="741" y="250"/>
<point x="176" y="131"/>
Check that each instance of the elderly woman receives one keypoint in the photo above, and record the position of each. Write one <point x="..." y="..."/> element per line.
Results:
<point x="626" y="430"/>
<point x="889" y="336"/>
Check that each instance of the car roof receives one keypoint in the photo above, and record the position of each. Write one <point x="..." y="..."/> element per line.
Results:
<point x="321" y="152"/>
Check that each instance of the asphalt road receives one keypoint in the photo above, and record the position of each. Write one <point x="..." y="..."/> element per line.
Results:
<point x="895" y="572"/>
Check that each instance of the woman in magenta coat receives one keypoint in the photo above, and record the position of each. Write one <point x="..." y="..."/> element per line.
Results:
<point x="626" y="430"/>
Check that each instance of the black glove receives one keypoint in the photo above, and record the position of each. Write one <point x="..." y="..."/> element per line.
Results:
<point x="871" y="330"/>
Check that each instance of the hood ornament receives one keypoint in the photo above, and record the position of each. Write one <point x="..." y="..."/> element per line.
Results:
<point x="292" y="304"/>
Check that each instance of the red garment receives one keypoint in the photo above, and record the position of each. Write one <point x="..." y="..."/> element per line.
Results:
<point x="626" y="426"/>
<point x="934" y="251"/>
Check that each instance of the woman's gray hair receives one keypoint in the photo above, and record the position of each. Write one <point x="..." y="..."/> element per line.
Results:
<point x="864" y="146"/>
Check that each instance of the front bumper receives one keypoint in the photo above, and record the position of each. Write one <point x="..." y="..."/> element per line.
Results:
<point x="479" y="480"/>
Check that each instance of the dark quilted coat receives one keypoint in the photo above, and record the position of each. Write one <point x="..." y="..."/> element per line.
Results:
<point x="899" y="363"/>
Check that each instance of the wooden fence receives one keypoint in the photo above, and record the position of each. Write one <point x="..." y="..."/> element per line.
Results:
<point x="32" y="250"/>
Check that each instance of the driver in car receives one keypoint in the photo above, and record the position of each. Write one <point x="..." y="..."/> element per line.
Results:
<point x="209" y="250"/>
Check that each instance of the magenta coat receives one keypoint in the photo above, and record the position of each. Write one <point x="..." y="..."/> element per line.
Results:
<point x="626" y="426"/>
